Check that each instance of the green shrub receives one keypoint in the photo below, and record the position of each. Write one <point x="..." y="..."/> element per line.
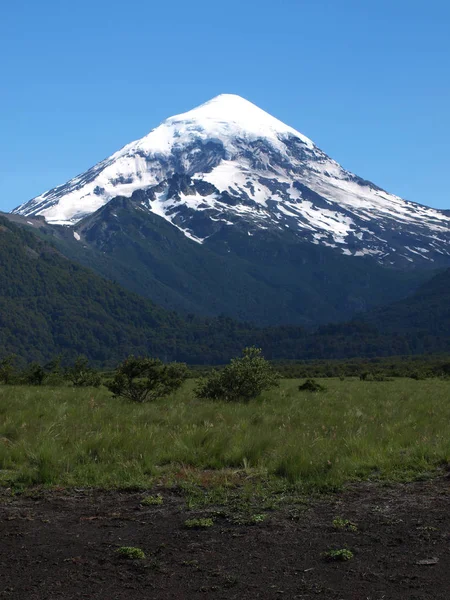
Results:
<point x="82" y="375"/>
<point x="366" y="376"/>
<point x="131" y="552"/>
<point x="374" y="377"/>
<point x="8" y="372"/>
<point x="145" y="379"/>
<point x="54" y="372"/>
<point x="241" y="380"/>
<point x="381" y="377"/>
<point x="34" y="375"/>
<point x="311" y="385"/>
<point x="418" y="376"/>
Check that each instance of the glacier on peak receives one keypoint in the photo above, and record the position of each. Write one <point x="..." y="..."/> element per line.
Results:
<point x="225" y="117"/>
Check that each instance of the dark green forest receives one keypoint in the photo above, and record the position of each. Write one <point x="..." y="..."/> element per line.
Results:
<point x="50" y="305"/>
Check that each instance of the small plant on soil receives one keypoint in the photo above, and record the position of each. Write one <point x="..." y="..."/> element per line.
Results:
<point x="340" y="523"/>
<point x="311" y="385"/>
<point x="198" y="523"/>
<point x="152" y="500"/>
<point x="258" y="518"/>
<point x="131" y="552"/>
<point x="340" y="555"/>
<point x="249" y="519"/>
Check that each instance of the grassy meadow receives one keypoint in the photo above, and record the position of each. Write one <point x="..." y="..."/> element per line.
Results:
<point x="393" y="430"/>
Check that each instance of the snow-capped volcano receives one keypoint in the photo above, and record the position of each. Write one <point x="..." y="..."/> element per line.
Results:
<point x="227" y="121"/>
<point x="226" y="163"/>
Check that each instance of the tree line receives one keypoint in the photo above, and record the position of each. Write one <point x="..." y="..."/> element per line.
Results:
<point x="144" y="379"/>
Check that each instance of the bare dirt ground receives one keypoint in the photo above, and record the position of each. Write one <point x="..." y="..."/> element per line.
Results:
<point x="63" y="545"/>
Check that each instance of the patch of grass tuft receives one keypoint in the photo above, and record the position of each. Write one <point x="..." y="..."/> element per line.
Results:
<point x="249" y="519"/>
<point x="258" y="518"/>
<point x="341" y="555"/>
<point x="340" y="523"/>
<point x="199" y="523"/>
<point x="152" y="500"/>
<point x="131" y="553"/>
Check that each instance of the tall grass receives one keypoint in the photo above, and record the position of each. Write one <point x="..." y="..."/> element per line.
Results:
<point x="355" y="430"/>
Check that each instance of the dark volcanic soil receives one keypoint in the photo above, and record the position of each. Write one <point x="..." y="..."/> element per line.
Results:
<point x="63" y="545"/>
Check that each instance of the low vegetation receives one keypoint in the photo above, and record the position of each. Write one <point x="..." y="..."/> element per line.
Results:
<point x="202" y="523"/>
<point x="341" y="555"/>
<point x="344" y="524"/>
<point x="78" y="436"/>
<point x="152" y="501"/>
<point x="311" y="385"/>
<point x="131" y="552"/>
<point x="249" y="519"/>
<point x="242" y="380"/>
<point x="81" y="374"/>
<point x="415" y="367"/>
<point x="141" y="379"/>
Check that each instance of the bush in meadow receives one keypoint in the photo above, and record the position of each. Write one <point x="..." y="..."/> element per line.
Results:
<point x="143" y="379"/>
<point x="81" y="374"/>
<point x="8" y="372"/>
<point x="241" y="380"/>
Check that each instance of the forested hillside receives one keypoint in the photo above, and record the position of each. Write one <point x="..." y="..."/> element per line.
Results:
<point x="50" y="305"/>
<point x="268" y="278"/>
<point x="424" y="317"/>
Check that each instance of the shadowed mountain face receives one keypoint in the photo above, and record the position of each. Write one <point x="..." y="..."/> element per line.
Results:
<point x="50" y="305"/>
<point x="424" y="313"/>
<point x="266" y="278"/>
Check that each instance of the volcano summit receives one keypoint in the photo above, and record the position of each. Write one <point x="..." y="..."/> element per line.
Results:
<point x="227" y="163"/>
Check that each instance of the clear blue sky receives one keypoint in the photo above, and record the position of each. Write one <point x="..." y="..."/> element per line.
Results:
<point x="367" y="80"/>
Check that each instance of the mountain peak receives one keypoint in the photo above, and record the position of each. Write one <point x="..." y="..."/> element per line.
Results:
<point x="238" y="113"/>
<point x="224" y="102"/>
<point x="227" y="164"/>
<point x="224" y="117"/>
<point x="228" y="122"/>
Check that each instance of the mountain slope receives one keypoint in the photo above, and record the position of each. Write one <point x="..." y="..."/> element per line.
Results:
<point x="243" y="169"/>
<point x="50" y="305"/>
<point x="418" y="324"/>
<point x="266" y="279"/>
<point x="424" y="313"/>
